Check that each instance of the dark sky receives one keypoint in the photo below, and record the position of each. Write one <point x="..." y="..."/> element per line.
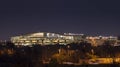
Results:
<point x="94" y="17"/>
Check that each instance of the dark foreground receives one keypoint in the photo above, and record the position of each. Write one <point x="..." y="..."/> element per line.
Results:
<point x="99" y="65"/>
<point x="58" y="65"/>
<point x="37" y="55"/>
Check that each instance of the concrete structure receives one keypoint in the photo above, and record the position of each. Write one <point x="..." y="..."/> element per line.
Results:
<point x="99" y="40"/>
<point x="45" y="38"/>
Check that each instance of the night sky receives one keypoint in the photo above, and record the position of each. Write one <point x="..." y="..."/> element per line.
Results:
<point x="93" y="17"/>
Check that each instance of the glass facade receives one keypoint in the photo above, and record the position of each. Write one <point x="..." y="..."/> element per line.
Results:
<point x="44" y="38"/>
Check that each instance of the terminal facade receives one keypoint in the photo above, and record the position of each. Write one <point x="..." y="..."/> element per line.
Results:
<point x="45" y="38"/>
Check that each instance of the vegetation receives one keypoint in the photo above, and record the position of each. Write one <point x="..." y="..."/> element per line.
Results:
<point x="53" y="55"/>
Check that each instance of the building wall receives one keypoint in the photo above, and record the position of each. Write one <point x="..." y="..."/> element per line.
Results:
<point x="43" y="39"/>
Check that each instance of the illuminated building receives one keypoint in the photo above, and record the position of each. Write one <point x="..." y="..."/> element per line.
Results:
<point x="44" y="38"/>
<point x="99" y="40"/>
<point x="102" y="37"/>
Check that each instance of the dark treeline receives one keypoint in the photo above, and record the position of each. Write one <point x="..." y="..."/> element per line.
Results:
<point x="37" y="55"/>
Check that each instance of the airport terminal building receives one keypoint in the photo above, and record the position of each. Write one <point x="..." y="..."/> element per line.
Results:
<point x="45" y="38"/>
